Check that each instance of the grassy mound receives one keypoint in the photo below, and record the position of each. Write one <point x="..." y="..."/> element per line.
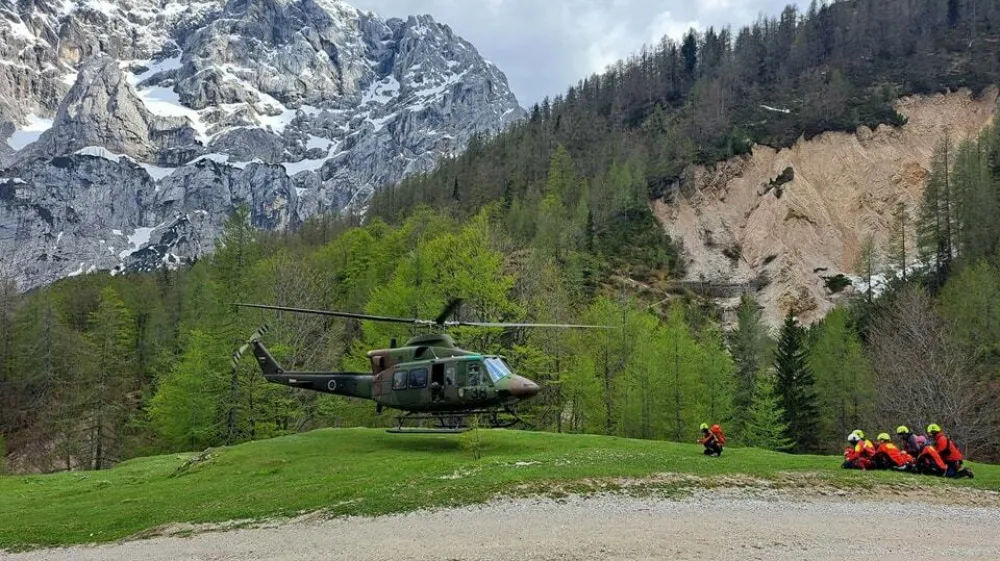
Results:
<point x="369" y="472"/>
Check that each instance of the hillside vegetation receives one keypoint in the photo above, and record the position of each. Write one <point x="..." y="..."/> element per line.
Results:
<point x="551" y="222"/>
<point x="369" y="472"/>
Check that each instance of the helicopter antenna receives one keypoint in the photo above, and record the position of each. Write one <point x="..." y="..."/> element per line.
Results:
<point x="450" y="309"/>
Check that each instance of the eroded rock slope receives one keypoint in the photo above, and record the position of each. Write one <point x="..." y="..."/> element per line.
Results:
<point x="737" y="227"/>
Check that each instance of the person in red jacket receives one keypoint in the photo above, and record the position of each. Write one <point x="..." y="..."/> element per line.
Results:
<point x="860" y="452"/>
<point x="712" y="439"/>
<point x="889" y="456"/>
<point x="929" y="462"/>
<point x="949" y="453"/>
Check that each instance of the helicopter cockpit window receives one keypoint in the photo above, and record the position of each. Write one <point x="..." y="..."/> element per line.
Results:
<point x="399" y="380"/>
<point x="497" y="369"/>
<point x="418" y="378"/>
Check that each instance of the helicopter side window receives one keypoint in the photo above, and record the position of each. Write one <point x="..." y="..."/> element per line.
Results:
<point x="399" y="380"/>
<point x="418" y="378"/>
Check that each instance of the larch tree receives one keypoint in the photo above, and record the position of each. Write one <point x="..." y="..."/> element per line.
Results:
<point x="899" y="242"/>
<point x="765" y="426"/>
<point x="936" y="221"/>
<point x="105" y="402"/>
<point x="843" y="378"/>
<point x="188" y="409"/>
<point x="751" y="349"/>
<point x="867" y="266"/>
<point x="235" y="254"/>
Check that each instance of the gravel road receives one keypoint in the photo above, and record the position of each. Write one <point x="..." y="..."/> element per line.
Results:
<point x="604" y="528"/>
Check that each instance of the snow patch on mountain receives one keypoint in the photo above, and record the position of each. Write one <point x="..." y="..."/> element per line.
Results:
<point x="173" y="112"/>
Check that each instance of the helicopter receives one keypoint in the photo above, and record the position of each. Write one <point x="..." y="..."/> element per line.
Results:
<point x="429" y="378"/>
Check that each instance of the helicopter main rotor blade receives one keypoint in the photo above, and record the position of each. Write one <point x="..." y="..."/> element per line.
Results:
<point x="553" y="325"/>
<point x="412" y="321"/>
<point x="416" y="321"/>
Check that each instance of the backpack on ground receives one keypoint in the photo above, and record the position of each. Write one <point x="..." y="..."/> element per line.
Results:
<point x="717" y="431"/>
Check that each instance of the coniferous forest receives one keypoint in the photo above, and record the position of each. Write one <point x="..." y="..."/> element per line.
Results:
<point x="550" y="222"/>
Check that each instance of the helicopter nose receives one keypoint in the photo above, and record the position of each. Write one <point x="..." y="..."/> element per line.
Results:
<point x="523" y="388"/>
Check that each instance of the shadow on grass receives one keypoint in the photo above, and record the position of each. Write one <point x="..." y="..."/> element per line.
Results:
<point x="417" y="443"/>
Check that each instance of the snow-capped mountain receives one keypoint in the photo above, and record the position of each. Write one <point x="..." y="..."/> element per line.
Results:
<point x="129" y="129"/>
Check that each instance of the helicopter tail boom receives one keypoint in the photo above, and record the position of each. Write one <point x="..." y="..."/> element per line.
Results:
<point x="351" y="384"/>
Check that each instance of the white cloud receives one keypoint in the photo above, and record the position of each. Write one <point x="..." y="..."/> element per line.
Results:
<point x="666" y="24"/>
<point x="545" y="46"/>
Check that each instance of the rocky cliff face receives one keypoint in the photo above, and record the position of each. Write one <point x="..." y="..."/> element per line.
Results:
<point x="129" y="129"/>
<point x="749" y="219"/>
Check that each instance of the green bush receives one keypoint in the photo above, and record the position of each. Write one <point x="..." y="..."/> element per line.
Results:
<point x="836" y="283"/>
<point x="472" y="441"/>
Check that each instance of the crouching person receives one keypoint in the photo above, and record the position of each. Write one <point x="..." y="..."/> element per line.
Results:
<point x="889" y="456"/>
<point x="929" y="462"/>
<point x="912" y="443"/>
<point x="712" y="439"/>
<point x="949" y="453"/>
<point x="859" y="453"/>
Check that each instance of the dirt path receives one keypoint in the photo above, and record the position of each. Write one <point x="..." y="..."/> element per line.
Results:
<point x="601" y="528"/>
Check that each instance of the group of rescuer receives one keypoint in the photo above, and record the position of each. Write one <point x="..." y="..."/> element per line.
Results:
<point x="934" y="454"/>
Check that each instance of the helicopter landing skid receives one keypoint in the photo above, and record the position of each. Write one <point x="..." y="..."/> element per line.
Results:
<point x="455" y="422"/>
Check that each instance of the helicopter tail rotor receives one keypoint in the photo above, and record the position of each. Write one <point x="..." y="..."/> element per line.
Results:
<point x="238" y="353"/>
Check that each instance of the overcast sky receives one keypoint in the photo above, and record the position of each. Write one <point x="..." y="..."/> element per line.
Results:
<point x="545" y="46"/>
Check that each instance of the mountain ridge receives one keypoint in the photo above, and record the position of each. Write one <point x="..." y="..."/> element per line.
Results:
<point x="325" y="102"/>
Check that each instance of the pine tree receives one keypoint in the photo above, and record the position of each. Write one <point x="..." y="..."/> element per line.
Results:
<point x="795" y="387"/>
<point x="766" y="427"/>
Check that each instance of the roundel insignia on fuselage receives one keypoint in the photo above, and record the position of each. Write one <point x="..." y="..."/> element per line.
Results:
<point x="331" y="385"/>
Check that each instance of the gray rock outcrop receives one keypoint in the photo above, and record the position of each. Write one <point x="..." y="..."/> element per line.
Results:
<point x="129" y="130"/>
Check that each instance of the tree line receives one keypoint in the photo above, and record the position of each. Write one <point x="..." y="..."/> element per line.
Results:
<point x="96" y="369"/>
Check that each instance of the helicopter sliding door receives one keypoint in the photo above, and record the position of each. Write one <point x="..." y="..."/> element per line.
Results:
<point x="409" y="386"/>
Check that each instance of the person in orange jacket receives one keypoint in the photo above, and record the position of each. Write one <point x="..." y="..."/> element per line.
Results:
<point x="949" y="453"/>
<point x="712" y="439"/>
<point x="860" y="452"/>
<point x="889" y="456"/>
<point x="929" y="462"/>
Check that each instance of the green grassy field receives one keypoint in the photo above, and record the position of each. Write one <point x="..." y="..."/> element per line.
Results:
<point x="369" y="472"/>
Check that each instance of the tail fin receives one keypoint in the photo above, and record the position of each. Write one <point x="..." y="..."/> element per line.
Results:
<point x="267" y="364"/>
